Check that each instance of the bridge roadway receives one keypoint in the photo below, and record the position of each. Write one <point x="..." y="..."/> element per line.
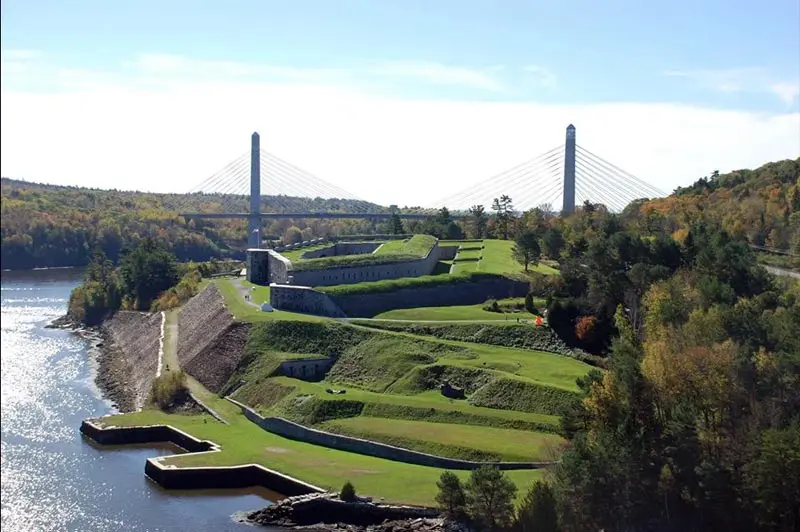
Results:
<point x="318" y="215"/>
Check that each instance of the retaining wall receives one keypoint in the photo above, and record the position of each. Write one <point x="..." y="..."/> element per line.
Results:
<point x="172" y="477"/>
<point x="367" y="272"/>
<point x="131" y="357"/>
<point x="303" y="299"/>
<point x="210" y="342"/>
<point x="294" y="431"/>
<point x="368" y="305"/>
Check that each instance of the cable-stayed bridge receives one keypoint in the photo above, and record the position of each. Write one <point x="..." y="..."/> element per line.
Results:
<point x="561" y="176"/>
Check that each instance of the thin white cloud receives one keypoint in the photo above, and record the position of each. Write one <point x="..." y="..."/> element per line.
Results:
<point x="543" y="76"/>
<point x="168" y="132"/>
<point x="746" y="79"/>
<point x="440" y="74"/>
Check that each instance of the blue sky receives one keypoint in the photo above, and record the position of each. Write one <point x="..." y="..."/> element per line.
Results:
<point x="558" y="61"/>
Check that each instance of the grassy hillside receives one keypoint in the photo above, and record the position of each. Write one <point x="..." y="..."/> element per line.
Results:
<point x="392" y="376"/>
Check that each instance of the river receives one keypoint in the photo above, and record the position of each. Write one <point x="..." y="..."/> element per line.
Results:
<point x="53" y="479"/>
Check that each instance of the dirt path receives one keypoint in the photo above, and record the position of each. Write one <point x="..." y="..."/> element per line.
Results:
<point x="171" y="363"/>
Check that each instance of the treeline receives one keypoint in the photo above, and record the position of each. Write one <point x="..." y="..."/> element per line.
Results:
<point x="762" y="206"/>
<point x="695" y="426"/>
<point x="50" y="226"/>
<point x="148" y="278"/>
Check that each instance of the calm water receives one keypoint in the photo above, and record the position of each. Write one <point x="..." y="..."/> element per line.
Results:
<point x="52" y="479"/>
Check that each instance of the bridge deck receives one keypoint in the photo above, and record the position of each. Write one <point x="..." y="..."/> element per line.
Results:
<point x="319" y="215"/>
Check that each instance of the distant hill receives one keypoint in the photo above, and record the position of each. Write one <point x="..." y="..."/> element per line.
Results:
<point x="48" y="225"/>
<point x="762" y="205"/>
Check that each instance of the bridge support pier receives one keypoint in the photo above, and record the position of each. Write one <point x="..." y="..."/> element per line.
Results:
<point x="254" y="220"/>
<point x="569" y="172"/>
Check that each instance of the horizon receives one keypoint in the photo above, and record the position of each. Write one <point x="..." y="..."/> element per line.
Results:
<point x="389" y="99"/>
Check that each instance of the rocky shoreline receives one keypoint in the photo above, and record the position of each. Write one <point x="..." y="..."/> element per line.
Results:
<point x="115" y="376"/>
<point x="326" y="512"/>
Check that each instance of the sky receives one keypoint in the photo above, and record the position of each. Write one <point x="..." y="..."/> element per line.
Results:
<point x="398" y="101"/>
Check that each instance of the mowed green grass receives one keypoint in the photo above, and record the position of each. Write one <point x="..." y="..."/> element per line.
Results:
<point x="511" y="445"/>
<point x="468" y="254"/>
<point x="498" y="258"/>
<point x="429" y="399"/>
<point x="539" y="367"/>
<point x="459" y="312"/>
<point x="243" y="311"/>
<point x="243" y="442"/>
<point x="417" y="245"/>
<point x="464" y="267"/>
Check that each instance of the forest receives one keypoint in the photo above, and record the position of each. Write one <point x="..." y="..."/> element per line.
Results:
<point x="48" y="226"/>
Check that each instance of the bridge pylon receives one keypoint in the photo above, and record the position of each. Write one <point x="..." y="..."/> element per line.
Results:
<point x="254" y="220"/>
<point x="569" y="172"/>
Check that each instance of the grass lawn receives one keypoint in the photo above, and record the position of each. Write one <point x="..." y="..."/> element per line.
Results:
<point x="417" y="245"/>
<point x="509" y="444"/>
<point x="464" y="267"/>
<point x="497" y="258"/>
<point x="244" y="442"/>
<point x="296" y="254"/>
<point x="461" y="312"/>
<point x="468" y="254"/>
<point x="429" y="399"/>
<point x="244" y="311"/>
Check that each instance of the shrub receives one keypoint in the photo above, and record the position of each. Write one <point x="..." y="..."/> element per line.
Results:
<point x="169" y="390"/>
<point x="451" y="497"/>
<point x="491" y="305"/>
<point x="529" y="305"/>
<point x="348" y="493"/>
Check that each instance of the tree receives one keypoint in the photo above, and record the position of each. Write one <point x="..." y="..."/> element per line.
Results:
<point x="490" y="498"/>
<point x="503" y="212"/>
<point x="396" y="225"/>
<point x="451" y="497"/>
<point x="478" y="221"/>
<point x="146" y="272"/>
<point x="293" y="235"/>
<point x="553" y="242"/>
<point x="526" y="249"/>
<point x="538" y="512"/>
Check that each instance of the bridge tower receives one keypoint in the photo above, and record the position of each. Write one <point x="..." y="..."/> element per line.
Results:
<point x="569" y="172"/>
<point x="254" y="220"/>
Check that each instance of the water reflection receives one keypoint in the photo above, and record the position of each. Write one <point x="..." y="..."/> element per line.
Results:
<point x="51" y="478"/>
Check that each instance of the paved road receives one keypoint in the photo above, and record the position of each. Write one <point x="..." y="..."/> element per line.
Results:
<point x="780" y="271"/>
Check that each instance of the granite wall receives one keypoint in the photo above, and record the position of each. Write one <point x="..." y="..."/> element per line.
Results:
<point x="303" y="299"/>
<point x="371" y="272"/>
<point x="257" y="266"/>
<point x="368" y="305"/>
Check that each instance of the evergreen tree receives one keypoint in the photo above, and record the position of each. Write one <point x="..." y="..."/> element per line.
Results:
<point x="538" y="512"/>
<point x="451" y="497"/>
<point x="490" y="498"/>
